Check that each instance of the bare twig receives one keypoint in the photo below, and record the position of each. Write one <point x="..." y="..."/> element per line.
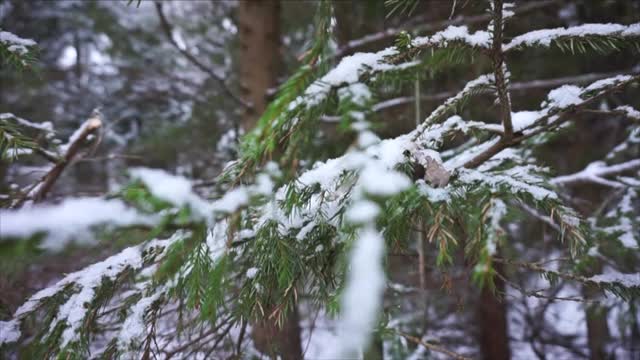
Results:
<point x="545" y="219"/>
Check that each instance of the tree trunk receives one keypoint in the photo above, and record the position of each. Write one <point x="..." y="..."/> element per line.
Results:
<point x="492" y="317"/>
<point x="277" y="342"/>
<point x="596" y="316"/>
<point x="259" y="33"/>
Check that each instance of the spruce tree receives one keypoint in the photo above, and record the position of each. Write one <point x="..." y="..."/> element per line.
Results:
<point x="294" y="222"/>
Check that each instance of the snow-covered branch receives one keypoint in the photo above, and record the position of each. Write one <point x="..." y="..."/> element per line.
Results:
<point x="72" y="217"/>
<point x="545" y="37"/>
<point x="596" y="172"/>
<point x="424" y="27"/>
<point x="44" y="126"/>
<point x="515" y="87"/>
<point x="69" y="151"/>
<point x="84" y="284"/>
<point x="15" y="43"/>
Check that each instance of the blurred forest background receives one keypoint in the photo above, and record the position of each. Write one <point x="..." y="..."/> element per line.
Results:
<point x="176" y="81"/>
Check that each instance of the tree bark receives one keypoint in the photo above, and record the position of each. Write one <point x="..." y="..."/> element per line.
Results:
<point x="259" y="34"/>
<point x="283" y="342"/>
<point x="492" y="317"/>
<point x="596" y="318"/>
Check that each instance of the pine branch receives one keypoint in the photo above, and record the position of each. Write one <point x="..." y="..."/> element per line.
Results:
<point x="424" y="27"/>
<point x="599" y="37"/>
<point x="625" y="286"/>
<point x="558" y="114"/>
<point x="515" y="87"/>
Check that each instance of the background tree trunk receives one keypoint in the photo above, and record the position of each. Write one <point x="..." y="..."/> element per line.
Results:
<point x="260" y="59"/>
<point x="492" y="318"/>
<point x="597" y="328"/>
<point x="259" y="34"/>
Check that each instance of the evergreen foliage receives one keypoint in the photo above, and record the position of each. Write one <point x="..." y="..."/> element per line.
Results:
<point x="291" y="226"/>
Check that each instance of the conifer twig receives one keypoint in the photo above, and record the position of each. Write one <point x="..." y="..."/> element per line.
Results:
<point x="514" y="87"/>
<point x="432" y="347"/>
<point x="560" y="117"/>
<point x="424" y="27"/>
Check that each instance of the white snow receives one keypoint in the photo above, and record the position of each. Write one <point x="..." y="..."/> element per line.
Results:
<point x="544" y="37"/>
<point x="564" y="96"/>
<point x="603" y="83"/>
<point x="217" y="238"/>
<point x="596" y="172"/>
<point x="523" y="119"/>
<point x="367" y="138"/>
<point x="628" y="280"/>
<point x="9" y="331"/>
<point x="433" y="194"/>
<point x="632" y="30"/>
<point x="358" y="92"/>
<point x="362" y="211"/>
<point x="496" y="213"/>
<point x="623" y="213"/>
<point x="520" y="120"/>
<point x="347" y="72"/>
<point x="46" y="126"/>
<point x="134" y="326"/>
<point x="232" y="200"/>
<point x="304" y="231"/>
<point x="476" y="84"/>
<point x="362" y="298"/>
<point x="455" y="33"/>
<point x="16" y="152"/>
<point x="376" y="180"/>
<point x="494" y="180"/>
<point x="73" y="311"/>
<point x="629" y="111"/>
<point x="85" y="282"/>
<point x="264" y="185"/>
<point x="14" y="43"/>
<point x="252" y="272"/>
<point x="171" y="188"/>
<point x="72" y="217"/>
